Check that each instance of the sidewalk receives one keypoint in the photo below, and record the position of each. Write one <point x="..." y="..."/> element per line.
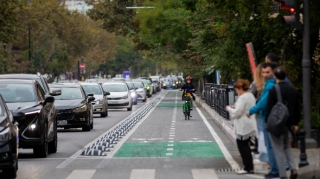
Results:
<point x="313" y="155"/>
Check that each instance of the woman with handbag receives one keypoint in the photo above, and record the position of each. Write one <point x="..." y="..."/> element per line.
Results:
<point x="244" y="127"/>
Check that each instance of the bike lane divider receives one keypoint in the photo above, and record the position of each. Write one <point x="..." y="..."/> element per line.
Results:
<point x="170" y="148"/>
<point x="114" y="133"/>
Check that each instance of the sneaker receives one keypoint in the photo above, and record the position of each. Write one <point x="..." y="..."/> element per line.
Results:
<point x="241" y="172"/>
<point x="257" y="161"/>
<point x="294" y="174"/>
<point x="271" y="176"/>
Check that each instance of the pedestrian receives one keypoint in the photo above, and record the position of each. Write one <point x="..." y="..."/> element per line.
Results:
<point x="256" y="88"/>
<point x="272" y="58"/>
<point x="260" y="108"/>
<point x="280" y="144"/>
<point x="245" y="127"/>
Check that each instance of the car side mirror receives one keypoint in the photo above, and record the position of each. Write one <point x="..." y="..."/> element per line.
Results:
<point x="90" y="94"/>
<point x="48" y="99"/>
<point x="90" y="99"/>
<point x="56" y="93"/>
<point x="18" y="116"/>
<point x="106" y="93"/>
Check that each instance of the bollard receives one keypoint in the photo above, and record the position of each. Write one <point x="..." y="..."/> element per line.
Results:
<point x="303" y="155"/>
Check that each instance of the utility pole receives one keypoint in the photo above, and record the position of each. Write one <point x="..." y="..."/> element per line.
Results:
<point x="306" y="63"/>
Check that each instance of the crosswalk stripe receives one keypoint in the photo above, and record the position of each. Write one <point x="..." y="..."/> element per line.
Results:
<point x="204" y="174"/>
<point x="143" y="173"/>
<point x="83" y="174"/>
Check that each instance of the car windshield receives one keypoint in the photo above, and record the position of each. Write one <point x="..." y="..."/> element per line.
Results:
<point x="92" y="89"/>
<point x="138" y="85"/>
<point x="130" y="85"/>
<point x="114" y="88"/>
<point x="68" y="93"/>
<point x="16" y="93"/>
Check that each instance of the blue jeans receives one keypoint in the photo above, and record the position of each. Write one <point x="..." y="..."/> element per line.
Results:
<point x="260" y="125"/>
<point x="272" y="159"/>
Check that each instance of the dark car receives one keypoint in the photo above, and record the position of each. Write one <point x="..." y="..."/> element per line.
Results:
<point x="38" y="77"/>
<point x="38" y="130"/>
<point x="74" y="108"/>
<point x="9" y="141"/>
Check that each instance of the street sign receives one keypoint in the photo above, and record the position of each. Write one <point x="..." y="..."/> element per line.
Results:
<point x="82" y="66"/>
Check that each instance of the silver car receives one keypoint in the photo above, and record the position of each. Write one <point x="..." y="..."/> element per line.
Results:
<point x="120" y="96"/>
<point x="100" y="105"/>
<point x="141" y="91"/>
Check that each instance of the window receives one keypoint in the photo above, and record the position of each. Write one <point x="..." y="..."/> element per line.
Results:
<point x="68" y="93"/>
<point x="14" y="93"/>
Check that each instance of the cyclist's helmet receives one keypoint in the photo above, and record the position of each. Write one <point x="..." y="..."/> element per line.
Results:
<point x="188" y="78"/>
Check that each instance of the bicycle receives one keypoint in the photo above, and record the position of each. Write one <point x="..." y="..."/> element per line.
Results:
<point x="187" y="105"/>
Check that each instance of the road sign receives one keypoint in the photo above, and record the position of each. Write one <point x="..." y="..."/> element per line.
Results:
<point x="82" y="66"/>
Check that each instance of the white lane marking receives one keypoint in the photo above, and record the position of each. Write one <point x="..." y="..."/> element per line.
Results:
<point x="139" y="139"/>
<point x="204" y="174"/>
<point x="171" y="135"/>
<point x="170" y="145"/>
<point x="171" y="138"/>
<point x="169" y="153"/>
<point x="171" y="141"/>
<point x="143" y="173"/>
<point x="169" y="148"/>
<point x="83" y="174"/>
<point x="126" y="137"/>
<point x="223" y="148"/>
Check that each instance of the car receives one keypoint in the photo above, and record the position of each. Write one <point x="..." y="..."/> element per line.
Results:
<point x="147" y="86"/>
<point x="100" y="105"/>
<point x="141" y="91"/>
<point x="74" y="108"/>
<point x="133" y="92"/>
<point x="118" y="79"/>
<point x="119" y="97"/>
<point x="153" y="86"/>
<point x="9" y="140"/>
<point x="38" y="77"/>
<point x="156" y="80"/>
<point x="39" y="128"/>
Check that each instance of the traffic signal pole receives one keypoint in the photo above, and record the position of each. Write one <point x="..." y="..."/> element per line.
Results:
<point x="306" y="63"/>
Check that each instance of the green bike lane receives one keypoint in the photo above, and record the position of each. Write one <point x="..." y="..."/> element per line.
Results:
<point x="166" y="134"/>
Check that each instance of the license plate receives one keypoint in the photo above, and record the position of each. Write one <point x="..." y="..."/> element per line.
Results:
<point x="113" y="102"/>
<point x="62" y="122"/>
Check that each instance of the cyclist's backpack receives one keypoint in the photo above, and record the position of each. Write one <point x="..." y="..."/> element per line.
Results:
<point x="278" y="116"/>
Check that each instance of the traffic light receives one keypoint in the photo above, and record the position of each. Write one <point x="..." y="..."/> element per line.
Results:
<point x="294" y="7"/>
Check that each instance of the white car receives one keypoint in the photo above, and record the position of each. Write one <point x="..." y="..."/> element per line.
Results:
<point x="141" y="91"/>
<point x="119" y="97"/>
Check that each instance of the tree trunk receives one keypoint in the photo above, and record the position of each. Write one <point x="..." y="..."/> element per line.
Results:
<point x="46" y="63"/>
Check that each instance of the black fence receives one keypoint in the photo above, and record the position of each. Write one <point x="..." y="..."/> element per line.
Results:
<point x="219" y="96"/>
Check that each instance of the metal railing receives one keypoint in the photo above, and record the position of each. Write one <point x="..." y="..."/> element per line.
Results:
<point x="219" y="96"/>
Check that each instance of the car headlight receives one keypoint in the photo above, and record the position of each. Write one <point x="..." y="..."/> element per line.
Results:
<point x="5" y="134"/>
<point x="99" y="101"/>
<point x="148" y="87"/>
<point x="164" y="84"/>
<point x="133" y="95"/>
<point x="80" y="109"/>
<point x="125" y="97"/>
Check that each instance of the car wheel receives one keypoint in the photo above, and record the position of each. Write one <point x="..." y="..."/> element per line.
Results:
<point x="87" y="127"/>
<point x="42" y="150"/>
<point x="91" y="125"/>
<point x="10" y="172"/>
<point x="135" y="103"/>
<point x="144" y="100"/>
<point x="104" y="114"/>
<point x="129" y="109"/>
<point x="53" y="145"/>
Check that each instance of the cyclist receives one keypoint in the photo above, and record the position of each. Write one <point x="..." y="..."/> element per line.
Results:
<point x="188" y="87"/>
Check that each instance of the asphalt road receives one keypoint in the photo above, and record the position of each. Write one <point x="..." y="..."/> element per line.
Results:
<point x="161" y="145"/>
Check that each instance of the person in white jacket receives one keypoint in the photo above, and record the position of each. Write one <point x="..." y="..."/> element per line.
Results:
<point x="244" y="126"/>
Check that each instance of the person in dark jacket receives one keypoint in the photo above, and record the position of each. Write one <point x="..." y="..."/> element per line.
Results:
<point x="188" y="87"/>
<point x="280" y="144"/>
